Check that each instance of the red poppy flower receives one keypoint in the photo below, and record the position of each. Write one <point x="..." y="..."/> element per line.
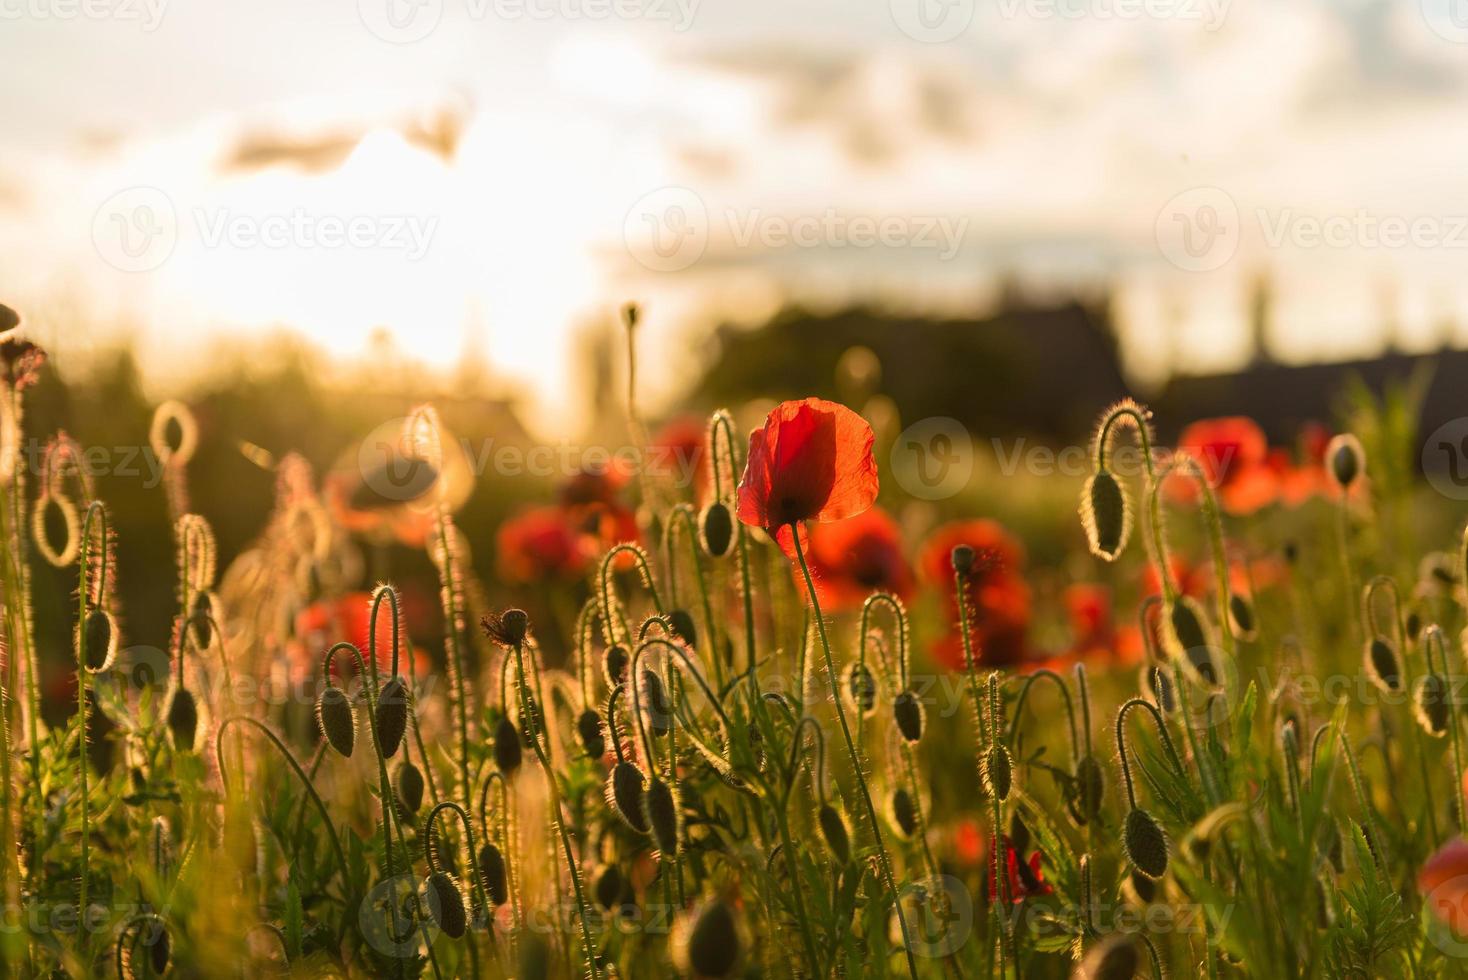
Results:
<point x="676" y="455"/>
<point x="1025" y="878"/>
<point x="812" y="460"/>
<point x="1089" y="607"/>
<point x="1231" y="452"/>
<point x="541" y="544"/>
<point x="851" y="559"/>
<point x="1443" y="882"/>
<point x="595" y="485"/>
<point x="348" y="617"/>
<point x="997" y="596"/>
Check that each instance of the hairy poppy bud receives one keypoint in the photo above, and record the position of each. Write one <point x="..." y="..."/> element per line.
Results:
<point x="1430" y="705"/>
<point x="624" y="795"/>
<point x="660" y="808"/>
<point x="506" y="749"/>
<point x="593" y="736"/>
<point x="860" y="688"/>
<point x="962" y="558"/>
<point x="1116" y="957"/>
<point x="1241" y="617"/>
<point x="183" y="719"/>
<point x="904" y="812"/>
<point x="200" y="614"/>
<point x="907" y="712"/>
<point x="1090" y="788"/>
<point x="161" y="950"/>
<point x="101" y="640"/>
<point x="1345" y="459"/>
<point x="681" y="622"/>
<point x="614" y="664"/>
<point x="392" y="715"/>
<point x="716" y="528"/>
<point x="409" y="788"/>
<point x="998" y="771"/>
<point x="659" y="712"/>
<point x="708" y="943"/>
<point x="1105" y="515"/>
<point x="1139" y="889"/>
<point x="1382" y="665"/>
<point x="1146" y="843"/>
<point x="492" y="874"/>
<point x="335" y="719"/>
<point x="608" y="887"/>
<point x="835" y="834"/>
<point x="1186" y="625"/>
<point x="1158" y="683"/>
<point x="446" y="904"/>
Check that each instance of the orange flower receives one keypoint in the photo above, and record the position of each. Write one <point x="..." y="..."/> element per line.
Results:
<point x="1232" y="452"/>
<point x="1443" y="882"/>
<point x="812" y="460"/>
<point x="541" y="544"/>
<point x="348" y="617"/>
<point x="997" y="595"/>
<point x="851" y="559"/>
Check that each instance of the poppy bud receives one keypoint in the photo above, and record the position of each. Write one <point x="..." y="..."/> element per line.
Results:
<point x="1159" y="685"/>
<point x="614" y="664"/>
<point x="593" y="737"/>
<point x="9" y="319"/>
<point x="659" y="712"/>
<point x="861" y="688"/>
<point x="410" y="788"/>
<point x="1291" y="552"/>
<point x="492" y="874"/>
<point x="907" y="712"/>
<point x="1139" y="889"/>
<point x="998" y="771"/>
<point x="1430" y="705"/>
<point x="1345" y="459"/>
<point x="101" y="640"/>
<point x="608" y="887"/>
<point x="1382" y="665"/>
<point x="624" y="795"/>
<point x="1241" y="616"/>
<point x="716" y="528"/>
<point x="660" y="809"/>
<point x="1105" y="515"/>
<point x="200" y="613"/>
<point x="392" y="716"/>
<point x="1186" y="625"/>
<point x="1090" y="787"/>
<point x="161" y="950"/>
<point x="962" y="558"/>
<point x="446" y="904"/>
<point x="507" y="751"/>
<point x="904" y="812"/>
<point x="183" y="720"/>
<point x="1146" y="843"/>
<point x="1114" y="958"/>
<point x="835" y="834"/>
<point x="708" y="943"/>
<point x="1413" y="625"/>
<point x="681" y="622"/>
<point x="335" y="719"/>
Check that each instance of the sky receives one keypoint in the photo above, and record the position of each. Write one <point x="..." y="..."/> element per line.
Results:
<point x="495" y="175"/>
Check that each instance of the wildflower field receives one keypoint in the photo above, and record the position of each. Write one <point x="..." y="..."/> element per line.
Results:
<point x="752" y="722"/>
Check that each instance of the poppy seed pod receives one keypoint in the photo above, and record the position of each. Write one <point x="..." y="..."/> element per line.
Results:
<point x="392" y="716"/>
<point x="593" y="736"/>
<point x="1090" y="787"/>
<point x="1430" y="705"/>
<point x="614" y="664"/>
<point x="708" y="943"/>
<point x="1117" y="957"/>
<point x="446" y="904"/>
<point x="660" y="809"/>
<point x="1382" y="665"/>
<point x="861" y="688"/>
<point x="1106" y="515"/>
<point x="608" y="887"/>
<point x="183" y="719"/>
<point x="962" y="558"/>
<point x="835" y="834"/>
<point x="624" y="795"/>
<point x="1146" y="843"/>
<point x="655" y="700"/>
<point x="101" y="640"/>
<point x="1345" y="460"/>
<point x="409" y="788"/>
<point x="998" y="771"/>
<point x="716" y="529"/>
<point x="907" y="712"/>
<point x="335" y="719"/>
<point x="492" y="874"/>
<point x="506" y="749"/>
<point x="904" y="812"/>
<point x="199" y="620"/>
<point x="681" y="623"/>
<point x="514" y="623"/>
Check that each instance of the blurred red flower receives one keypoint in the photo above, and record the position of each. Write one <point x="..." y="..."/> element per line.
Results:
<point x="348" y="617"/>
<point x="541" y="544"/>
<point x="998" y="597"/>
<point x="851" y="559"/>
<point x="1443" y="881"/>
<point x="1232" y="453"/>
<point x="676" y="456"/>
<point x="1025" y="878"/>
<point x="812" y="460"/>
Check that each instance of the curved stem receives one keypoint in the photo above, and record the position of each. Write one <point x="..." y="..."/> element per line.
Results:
<point x="1434" y="638"/>
<point x="722" y="423"/>
<point x="1121" y="743"/>
<point x="970" y="661"/>
<point x="428" y="822"/>
<point x="95" y="513"/>
<point x="1024" y="692"/>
